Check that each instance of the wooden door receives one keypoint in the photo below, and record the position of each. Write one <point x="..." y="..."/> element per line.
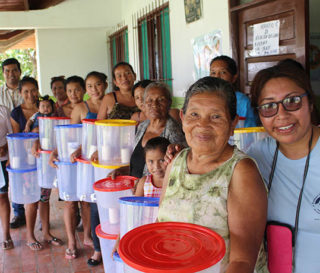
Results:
<point x="293" y="42"/>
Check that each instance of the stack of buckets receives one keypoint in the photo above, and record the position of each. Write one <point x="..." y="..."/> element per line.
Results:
<point x="68" y="141"/>
<point x="22" y="171"/>
<point x="47" y="176"/>
<point x="85" y="171"/>
<point x="115" y="141"/>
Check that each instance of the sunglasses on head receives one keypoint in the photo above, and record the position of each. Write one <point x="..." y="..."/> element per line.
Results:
<point x="290" y="104"/>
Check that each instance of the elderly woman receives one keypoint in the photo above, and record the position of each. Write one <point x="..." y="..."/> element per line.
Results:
<point x="157" y="101"/>
<point x="289" y="163"/>
<point x="214" y="184"/>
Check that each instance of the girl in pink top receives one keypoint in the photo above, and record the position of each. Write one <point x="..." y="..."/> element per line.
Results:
<point x="151" y="185"/>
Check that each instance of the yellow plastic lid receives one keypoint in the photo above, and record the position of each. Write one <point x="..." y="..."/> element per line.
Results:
<point x="116" y="122"/>
<point x="249" y="130"/>
<point x="96" y="164"/>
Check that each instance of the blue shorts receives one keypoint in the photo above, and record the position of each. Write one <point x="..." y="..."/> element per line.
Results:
<point x="4" y="189"/>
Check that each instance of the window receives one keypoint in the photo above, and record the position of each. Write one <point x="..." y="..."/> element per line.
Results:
<point x="154" y="45"/>
<point x="119" y="46"/>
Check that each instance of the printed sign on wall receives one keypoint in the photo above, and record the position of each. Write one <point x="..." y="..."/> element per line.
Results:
<point x="205" y="48"/>
<point x="266" y="38"/>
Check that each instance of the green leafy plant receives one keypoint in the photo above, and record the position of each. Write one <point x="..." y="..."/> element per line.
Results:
<point x="26" y="58"/>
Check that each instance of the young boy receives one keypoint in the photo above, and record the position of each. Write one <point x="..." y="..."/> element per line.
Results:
<point x="151" y="185"/>
<point x="46" y="106"/>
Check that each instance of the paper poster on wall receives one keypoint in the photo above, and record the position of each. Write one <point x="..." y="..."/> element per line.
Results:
<point x="205" y="48"/>
<point x="266" y="38"/>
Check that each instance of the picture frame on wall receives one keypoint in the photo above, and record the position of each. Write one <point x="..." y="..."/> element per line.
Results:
<point x="192" y="10"/>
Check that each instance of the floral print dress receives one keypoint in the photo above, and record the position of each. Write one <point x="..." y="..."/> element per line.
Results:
<point x="202" y="199"/>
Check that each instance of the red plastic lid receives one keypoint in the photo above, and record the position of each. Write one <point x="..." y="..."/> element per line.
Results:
<point x="171" y="247"/>
<point x="104" y="235"/>
<point x="82" y="160"/>
<point x="121" y="183"/>
<point x="44" y="151"/>
<point x="56" y="118"/>
<point x="90" y="121"/>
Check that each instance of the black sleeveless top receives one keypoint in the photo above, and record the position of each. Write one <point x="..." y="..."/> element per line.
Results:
<point x="137" y="160"/>
<point x="120" y="111"/>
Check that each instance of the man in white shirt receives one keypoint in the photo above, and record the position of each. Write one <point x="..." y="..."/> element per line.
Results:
<point x="11" y="98"/>
<point x="9" y="92"/>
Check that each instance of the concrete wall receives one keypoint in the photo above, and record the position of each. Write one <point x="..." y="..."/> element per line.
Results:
<point x="72" y="36"/>
<point x="70" y="52"/>
<point x="214" y="17"/>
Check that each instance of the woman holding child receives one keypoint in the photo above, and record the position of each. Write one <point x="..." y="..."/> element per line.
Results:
<point x="29" y="91"/>
<point x="206" y="183"/>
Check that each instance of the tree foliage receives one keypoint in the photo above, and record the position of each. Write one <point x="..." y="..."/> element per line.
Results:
<point x="26" y="58"/>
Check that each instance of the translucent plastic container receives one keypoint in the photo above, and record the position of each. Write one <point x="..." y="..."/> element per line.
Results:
<point x="119" y="263"/>
<point x="67" y="180"/>
<point x="172" y="247"/>
<point x="24" y="187"/>
<point x="245" y="137"/>
<point x="107" y="242"/>
<point x="108" y="192"/>
<point x="241" y="122"/>
<point x="2" y="179"/>
<point x="68" y="140"/>
<point x="115" y="141"/>
<point x="102" y="171"/>
<point x="47" y="176"/>
<point x="137" y="211"/>
<point x="85" y="180"/>
<point x="19" y="146"/>
<point x="46" y="131"/>
<point x="89" y="138"/>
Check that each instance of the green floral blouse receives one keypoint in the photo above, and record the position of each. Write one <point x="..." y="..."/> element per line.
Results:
<point x="202" y="199"/>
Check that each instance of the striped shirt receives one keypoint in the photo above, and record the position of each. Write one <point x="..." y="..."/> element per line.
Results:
<point x="149" y="189"/>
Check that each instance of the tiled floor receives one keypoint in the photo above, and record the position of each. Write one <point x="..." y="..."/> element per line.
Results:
<point x="51" y="258"/>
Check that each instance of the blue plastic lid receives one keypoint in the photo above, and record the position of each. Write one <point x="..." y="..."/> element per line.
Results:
<point x="68" y="126"/>
<point x="23" y="135"/>
<point x="64" y="163"/>
<point x="116" y="257"/>
<point x="140" y="201"/>
<point x="9" y="169"/>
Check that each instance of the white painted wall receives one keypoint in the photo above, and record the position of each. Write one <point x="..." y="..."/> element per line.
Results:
<point x="215" y="16"/>
<point x="70" y="52"/>
<point x="71" y="36"/>
<point x="68" y="14"/>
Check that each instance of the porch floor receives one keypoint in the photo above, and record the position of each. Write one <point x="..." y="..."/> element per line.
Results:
<point x="51" y="258"/>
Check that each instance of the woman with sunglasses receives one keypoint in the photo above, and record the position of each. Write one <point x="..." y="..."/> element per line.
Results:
<point x="289" y="163"/>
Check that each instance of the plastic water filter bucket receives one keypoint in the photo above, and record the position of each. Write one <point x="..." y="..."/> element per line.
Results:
<point x="68" y="140"/>
<point x="245" y="137"/>
<point x="108" y="192"/>
<point x="115" y="141"/>
<point x="172" y="247"/>
<point x="19" y="146"/>
<point x="89" y="138"/>
<point x="137" y="211"/>
<point x="67" y="180"/>
<point x="107" y="242"/>
<point x="46" y="131"/>
<point x="24" y="187"/>
<point x="47" y="176"/>
<point x="85" y="180"/>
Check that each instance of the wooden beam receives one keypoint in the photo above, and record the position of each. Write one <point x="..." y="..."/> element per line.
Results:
<point x="26" y="4"/>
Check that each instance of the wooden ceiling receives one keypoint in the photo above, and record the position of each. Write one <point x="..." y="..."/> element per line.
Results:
<point x="24" y="5"/>
<point x="21" y="38"/>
